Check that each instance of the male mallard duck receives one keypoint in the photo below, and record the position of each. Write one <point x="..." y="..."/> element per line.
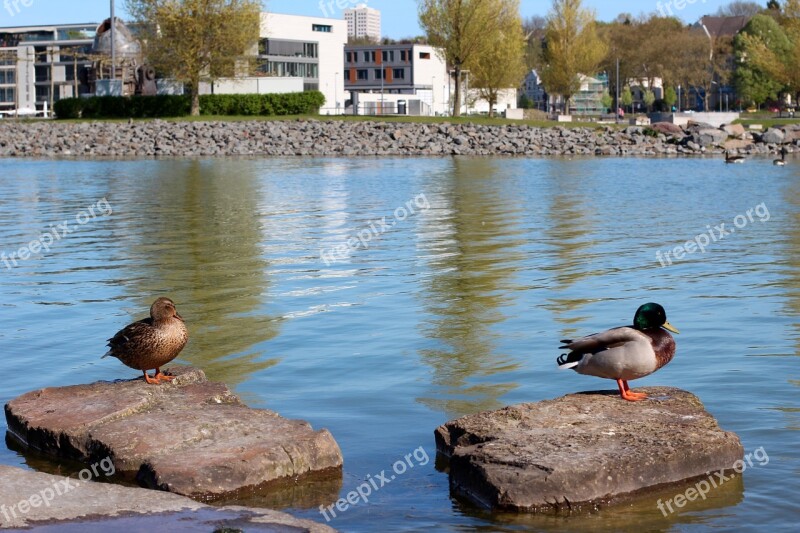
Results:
<point x="733" y="158"/>
<point x="782" y="161"/>
<point x="624" y="353"/>
<point x="152" y="342"/>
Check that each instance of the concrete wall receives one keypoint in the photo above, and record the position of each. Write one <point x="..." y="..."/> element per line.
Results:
<point x="682" y="119"/>
<point x="26" y="78"/>
<point x="256" y="85"/>
<point x="430" y="76"/>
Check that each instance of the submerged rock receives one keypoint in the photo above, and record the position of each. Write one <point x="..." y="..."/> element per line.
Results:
<point x="191" y="437"/>
<point x="28" y="499"/>
<point x="583" y="450"/>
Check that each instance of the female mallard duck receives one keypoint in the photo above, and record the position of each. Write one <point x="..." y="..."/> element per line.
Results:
<point x="153" y="342"/>
<point x="733" y="158"/>
<point x="782" y="161"/>
<point x="624" y="353"/>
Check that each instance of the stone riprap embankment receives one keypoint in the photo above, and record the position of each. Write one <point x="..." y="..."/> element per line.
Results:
<point x="192" y="437"/>
<point x="352" y="138"/>
<point x="583" y="450"/>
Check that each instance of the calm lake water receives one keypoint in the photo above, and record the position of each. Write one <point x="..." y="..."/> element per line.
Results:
<point x="457" y="307"/>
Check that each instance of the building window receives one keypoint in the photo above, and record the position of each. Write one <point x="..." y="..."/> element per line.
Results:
<point x="388" y="55"/>
<point x="378" y="73"/>
<point x="424" y="55"/>
<point x="403" y="56"/>
<point x="369" y="57"/>
<point x="399" y="73"/>
<point x="7" y="96"/>
<point x="276" y="47"/>
<point x="291" y="70"/>
<point x="363" y="74"/>
<point x="349" y="57"/>
<point x="324" y="28"/>
<point x="7" y="77"/>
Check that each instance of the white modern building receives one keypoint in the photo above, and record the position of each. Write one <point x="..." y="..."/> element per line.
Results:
<point x="363" y="22"/>
<point x="397" y="72"/>
<point x="310" y="48"/>
<point x="40" y="65"/>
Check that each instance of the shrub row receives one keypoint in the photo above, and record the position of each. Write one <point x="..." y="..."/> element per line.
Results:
<point x="179" y="106"/>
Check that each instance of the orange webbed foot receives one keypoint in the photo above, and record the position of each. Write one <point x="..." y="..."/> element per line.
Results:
<point x="634" y="396"/>
<point x="163" y="377"/>
<point x="627" y="394"/>
<point x="153" y="380"/>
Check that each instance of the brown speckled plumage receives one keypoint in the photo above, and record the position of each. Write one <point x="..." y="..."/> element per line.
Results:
<point x="152" y="342"/>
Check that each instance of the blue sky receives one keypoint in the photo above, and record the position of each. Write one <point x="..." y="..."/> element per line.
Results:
<point x="399" y="16"/>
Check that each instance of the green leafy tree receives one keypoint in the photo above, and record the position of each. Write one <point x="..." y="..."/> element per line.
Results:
<point x="670" y="97"/>
<point x="753" y="85"/>
<point x="649" y="99"/>
<point x="502" y="64"/>
<point x="606" y="100"/>
<point x="463" y="29"/>
<point x="638" y="44"/>
<point x="573" y="47"/>
<point x="769" y="59"/>
<point x="626" y="98"/>
<point x="197" y="40"/>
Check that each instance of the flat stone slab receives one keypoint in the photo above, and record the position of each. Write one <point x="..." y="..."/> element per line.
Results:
<point x="583" y="450"/>
<point x="191" y="437"/>
<point x="29" y="499"/>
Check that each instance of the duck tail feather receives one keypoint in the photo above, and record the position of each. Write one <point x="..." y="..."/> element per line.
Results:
<point x="565" y="362"/>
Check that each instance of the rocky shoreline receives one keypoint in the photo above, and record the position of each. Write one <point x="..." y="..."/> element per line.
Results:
<point x="336" y="138"/>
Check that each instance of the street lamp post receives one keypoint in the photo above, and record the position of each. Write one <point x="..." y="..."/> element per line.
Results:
<point x="336" y="90"/>
<point x="113" y="43"/>
<point x="679" y="98"/>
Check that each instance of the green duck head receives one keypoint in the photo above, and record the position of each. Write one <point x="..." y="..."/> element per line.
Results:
<point x="650" y="316"/>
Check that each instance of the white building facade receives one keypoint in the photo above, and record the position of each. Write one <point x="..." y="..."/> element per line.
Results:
<point x="310" y="48"/>
<point x="363" y="22"/>
<point x="40" y="65"/>
<point x="397" y="72"/>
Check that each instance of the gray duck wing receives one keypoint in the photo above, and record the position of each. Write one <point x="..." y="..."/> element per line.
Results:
<point x="598" y="342"/>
